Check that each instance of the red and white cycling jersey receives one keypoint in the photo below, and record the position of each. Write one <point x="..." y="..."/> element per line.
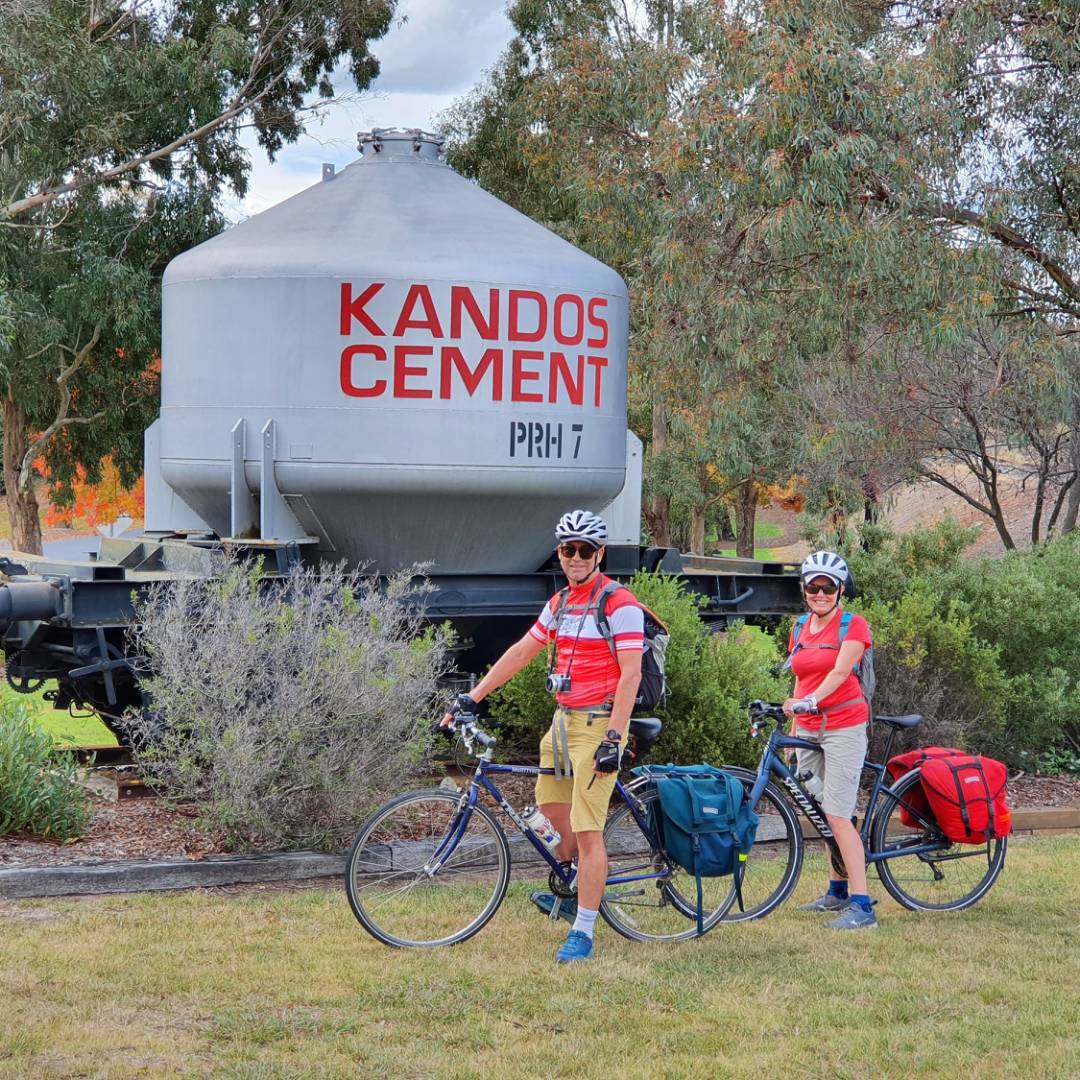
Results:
<point x="580" y="649"/>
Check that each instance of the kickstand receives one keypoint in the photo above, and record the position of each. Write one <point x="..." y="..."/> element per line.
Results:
<point x="555" y="908"/>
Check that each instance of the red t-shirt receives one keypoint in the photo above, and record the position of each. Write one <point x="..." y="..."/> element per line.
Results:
<point x="580" y="648"/>
<point x="811" y="664"/>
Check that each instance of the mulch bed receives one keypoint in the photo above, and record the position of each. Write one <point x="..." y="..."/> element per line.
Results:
<point x="131" y="829"/>
<point x="149" y="829"/>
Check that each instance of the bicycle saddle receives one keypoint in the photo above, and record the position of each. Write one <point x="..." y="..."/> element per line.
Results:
<point x="911" y="720"/>
<point x="646" y="727"/>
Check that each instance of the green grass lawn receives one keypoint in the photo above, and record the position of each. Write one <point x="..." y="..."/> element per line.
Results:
<point x="65" y="729"/>
<point x="286" y="984"/>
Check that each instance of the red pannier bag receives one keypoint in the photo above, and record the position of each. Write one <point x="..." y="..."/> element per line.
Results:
<point x="967" y="796"/>
<point x="916" y="798"/>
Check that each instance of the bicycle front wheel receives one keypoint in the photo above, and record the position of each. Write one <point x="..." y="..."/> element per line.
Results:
<point x="948" y="878"/>
<point x="646" y="898"/>
<point x="425" y="870"/>
<point x="773" y="866"/>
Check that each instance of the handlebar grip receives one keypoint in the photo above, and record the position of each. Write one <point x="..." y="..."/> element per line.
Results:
<point x="484" y="740"/>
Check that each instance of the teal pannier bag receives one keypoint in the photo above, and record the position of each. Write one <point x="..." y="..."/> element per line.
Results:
<point x="703" y="820"/>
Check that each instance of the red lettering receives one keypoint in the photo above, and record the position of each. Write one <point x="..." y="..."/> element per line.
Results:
<point x="597" y="363"/>
<point x="354" y="309"/>
<point x="575" y="390"/>
<point x="520" y="376"/>
<point x="403" y="371"/>
<point x="579" y="325"/>
<point x="452" y="358"/>
<point x="378" y="387"/>
<point x="517" y="296"/>
<point x="429" y="322"/>
<point x="598" y="322"/>
<point x="461" y="297"/>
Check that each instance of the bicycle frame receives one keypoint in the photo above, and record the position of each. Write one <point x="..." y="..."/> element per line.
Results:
<point x="485" y="768"/>
<point x="772" y="764"/>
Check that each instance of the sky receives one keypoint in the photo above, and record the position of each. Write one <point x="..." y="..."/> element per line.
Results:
<point x="436" y="51"/>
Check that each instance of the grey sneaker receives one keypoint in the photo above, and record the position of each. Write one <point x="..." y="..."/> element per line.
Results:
<point x="853" y="918"/>
<point x="827" y="902"/>
<point x="545" y="901"/>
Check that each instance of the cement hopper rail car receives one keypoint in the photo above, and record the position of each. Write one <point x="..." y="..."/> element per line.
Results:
<point x="391" y="367"/>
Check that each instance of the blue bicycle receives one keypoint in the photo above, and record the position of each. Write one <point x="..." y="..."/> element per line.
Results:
<point x="432" y="867"/>
<point x="918" y="865"/>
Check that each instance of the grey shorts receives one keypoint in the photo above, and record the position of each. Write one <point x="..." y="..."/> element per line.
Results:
<point x="839" y="763"/>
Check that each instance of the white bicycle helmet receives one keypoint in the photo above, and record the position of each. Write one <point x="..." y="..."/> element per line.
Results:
<point x="825" y="564"/>
<point x="581" y="525"/>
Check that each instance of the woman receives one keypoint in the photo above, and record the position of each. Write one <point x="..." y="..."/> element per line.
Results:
<point x="833" y="713"/>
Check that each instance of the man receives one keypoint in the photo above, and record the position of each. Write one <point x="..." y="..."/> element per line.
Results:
<point x="595" y="693"/>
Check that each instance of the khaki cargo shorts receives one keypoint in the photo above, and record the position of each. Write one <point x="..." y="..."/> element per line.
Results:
<point x="839" y="763"/>
<point x="588" y="805"/>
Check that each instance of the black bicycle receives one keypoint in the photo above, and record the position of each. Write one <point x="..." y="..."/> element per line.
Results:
<point x="432" y="867"/>
<point x="918" y="865"/>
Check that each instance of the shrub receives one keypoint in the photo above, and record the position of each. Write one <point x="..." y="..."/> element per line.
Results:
<point x="710" y="680"/>
<point x="884" y="564"/>
<point x="39" y="790"/>
<point x="287" y="709"/>
<point x="928" y="659"/>
<point x="1028" y="604"/>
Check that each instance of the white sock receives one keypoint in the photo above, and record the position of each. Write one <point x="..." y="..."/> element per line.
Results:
<point x="584" y="921"/>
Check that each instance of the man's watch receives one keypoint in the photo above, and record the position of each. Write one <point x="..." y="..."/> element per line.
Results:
<point x="613" y="735"/>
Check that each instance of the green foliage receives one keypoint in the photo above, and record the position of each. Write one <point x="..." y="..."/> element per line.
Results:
<point x="884" y="563"/>
<point x="39" y="792"/>
<point x="1055" y="761"/>
<point x="1028" y="604"/>
<point x="929" y="659"/>
<point x="710" y="680"/>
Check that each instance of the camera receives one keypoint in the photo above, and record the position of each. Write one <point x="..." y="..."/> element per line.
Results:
<point x="557" y="684"/>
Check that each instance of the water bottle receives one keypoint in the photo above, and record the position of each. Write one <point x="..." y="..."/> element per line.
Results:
<point x="813" y="783"/>
<point x="541" y="827"/>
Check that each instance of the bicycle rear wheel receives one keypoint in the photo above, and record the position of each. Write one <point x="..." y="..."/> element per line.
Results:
<point x="949" y="878"/>
<point x="773" y="866"/>
<point x="412" y="885"/>
<point x="661" y="907"/>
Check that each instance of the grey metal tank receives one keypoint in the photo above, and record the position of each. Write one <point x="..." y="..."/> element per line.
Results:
<point x="391" y="366"/>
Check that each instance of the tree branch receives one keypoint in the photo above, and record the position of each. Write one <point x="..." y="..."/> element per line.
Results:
<point x="62" y="420"/>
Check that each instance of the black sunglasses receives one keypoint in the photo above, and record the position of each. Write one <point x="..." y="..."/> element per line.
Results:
<point x="583" y="551"/>
<point x="829" y="590"/>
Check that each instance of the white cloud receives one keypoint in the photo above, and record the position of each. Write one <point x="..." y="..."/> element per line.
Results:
<point x="441" y="50"/>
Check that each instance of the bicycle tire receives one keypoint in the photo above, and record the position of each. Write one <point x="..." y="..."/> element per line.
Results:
<point x="774" y="864"/>
<point x="402" y="904"/>
<point x="661" y="909"/>
<point x="923" y="882"/>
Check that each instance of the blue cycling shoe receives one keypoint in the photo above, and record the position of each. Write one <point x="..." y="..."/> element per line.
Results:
<point x="545" y="901"/>
<point x="578" y="946"/>
<point x="853" y="918"/>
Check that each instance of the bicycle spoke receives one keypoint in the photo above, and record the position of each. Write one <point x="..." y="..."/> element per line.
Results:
<point x="947" y="877"/>
<point x="410" y="882"/>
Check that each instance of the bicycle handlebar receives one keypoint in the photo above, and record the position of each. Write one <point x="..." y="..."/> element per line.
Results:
<point x="465" y="724"/>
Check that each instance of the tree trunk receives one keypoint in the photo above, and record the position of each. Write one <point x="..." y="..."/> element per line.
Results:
<point x="746" y="499"/>
<point x="660" y="517"/>
<point x="22" y="509"/>
<point x="1072" y="507"/>
<point x="697" y="531"/>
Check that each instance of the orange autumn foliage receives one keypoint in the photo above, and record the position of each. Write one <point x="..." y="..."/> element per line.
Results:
<point x="790" y="495"/>
<point x="95" y="504"/>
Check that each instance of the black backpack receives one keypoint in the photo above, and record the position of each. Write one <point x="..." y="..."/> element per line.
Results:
<point x="653" y="689"/>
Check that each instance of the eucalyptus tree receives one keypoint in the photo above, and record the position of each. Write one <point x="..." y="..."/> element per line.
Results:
<point x="120" y="125"/>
